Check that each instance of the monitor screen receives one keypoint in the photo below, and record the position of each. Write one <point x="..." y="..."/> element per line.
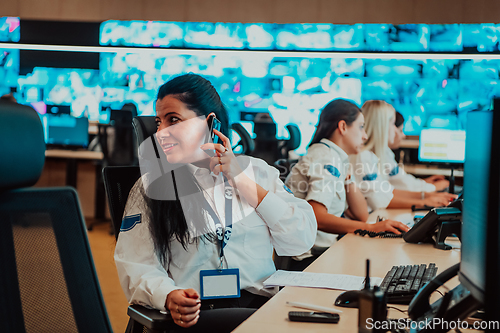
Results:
<point x="65" y="130"/>
<point x="475" y="205"/>
<point x="441" y="146"/>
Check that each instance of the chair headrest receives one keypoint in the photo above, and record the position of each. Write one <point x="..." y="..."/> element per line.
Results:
<point x="246" y="140"/>
<point x="144" y="127"/>
<point x="295" y="137"/>
<point x="23" y="147"/>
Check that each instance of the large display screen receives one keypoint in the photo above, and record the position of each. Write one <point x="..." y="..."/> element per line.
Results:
<point x="281" y="78"/>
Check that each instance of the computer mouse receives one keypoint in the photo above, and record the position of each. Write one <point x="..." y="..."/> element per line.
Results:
<point x="348" y="299"/>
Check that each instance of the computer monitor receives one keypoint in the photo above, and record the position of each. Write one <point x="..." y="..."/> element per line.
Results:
<point x="475" y="206"/>
<point x="65" y="131"/>
<point x="441" y="146"/>
<point x="492" y="296"/>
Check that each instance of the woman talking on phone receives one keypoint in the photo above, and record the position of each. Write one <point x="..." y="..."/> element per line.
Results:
<point x="204" y="248"/>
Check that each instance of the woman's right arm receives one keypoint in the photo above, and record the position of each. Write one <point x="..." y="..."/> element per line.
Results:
<point x="338" y="225"/>
<point x="406" y="199"/>
<point x="142" y="277"/>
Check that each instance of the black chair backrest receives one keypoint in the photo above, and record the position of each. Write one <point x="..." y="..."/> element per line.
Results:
<point x="292" y="143"/>
<point x="117" y="139"/>
<point x="118" y="181"/>
<point x="23" y="149"/>
<point x="246" y="142"/>
<point x="48" y="281"/>
<point x="295" y="137"/>
<point x="284" y="166"/>
<point x="144" y="127"/>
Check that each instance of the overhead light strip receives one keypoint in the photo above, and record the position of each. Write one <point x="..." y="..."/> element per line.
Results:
<point x="290" y="54"/>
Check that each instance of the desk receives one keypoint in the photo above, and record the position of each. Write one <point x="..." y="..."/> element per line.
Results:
<point x="72" y="157"/>
<point x="429" y="170"/>
<point x="348" y="256"/>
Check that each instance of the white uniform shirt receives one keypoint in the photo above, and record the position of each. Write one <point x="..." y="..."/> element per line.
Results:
<point x="401" y="180"/>
<point x="374" y="185"/>
<point x="320" y="176"/>
<point x="281" y="221"/>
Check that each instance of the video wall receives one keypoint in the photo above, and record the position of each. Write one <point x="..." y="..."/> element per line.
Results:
<point x="287" y="70"/>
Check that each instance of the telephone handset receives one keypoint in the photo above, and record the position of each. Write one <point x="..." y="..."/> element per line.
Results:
<point x="212" y="123"/>
<point x="438" y="224"/>
<point x="420" y="305"/>
<point x="456" y="304"/>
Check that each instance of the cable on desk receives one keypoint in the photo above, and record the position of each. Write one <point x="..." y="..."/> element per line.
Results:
<point x="395" y="308"/>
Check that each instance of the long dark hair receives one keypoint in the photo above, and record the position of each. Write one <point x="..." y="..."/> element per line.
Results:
<point x="331" y="115"/>
<point x="167" y="218"/>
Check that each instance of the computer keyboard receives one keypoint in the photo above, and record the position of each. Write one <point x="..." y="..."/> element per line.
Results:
<point x="401" y="283"/>
<point x="382" y="234"/>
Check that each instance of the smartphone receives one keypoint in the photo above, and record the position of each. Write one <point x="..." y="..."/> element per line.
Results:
<point x="212" y="123"/>
<point x="314" y="317"/>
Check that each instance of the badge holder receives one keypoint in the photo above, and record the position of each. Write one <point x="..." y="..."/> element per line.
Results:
<point x="220" y="283"/>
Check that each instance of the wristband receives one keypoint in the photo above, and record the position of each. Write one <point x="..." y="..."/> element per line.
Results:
<point x="423" y="195"/>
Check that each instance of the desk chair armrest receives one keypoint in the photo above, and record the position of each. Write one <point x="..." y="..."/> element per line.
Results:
<point x="152" y="319"/>
<point x="317" y="251"/>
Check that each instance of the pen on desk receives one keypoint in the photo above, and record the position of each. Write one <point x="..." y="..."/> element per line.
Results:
<point x="313" y="307"/>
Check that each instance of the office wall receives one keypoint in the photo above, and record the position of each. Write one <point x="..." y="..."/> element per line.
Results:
<point x="271" y="11"/>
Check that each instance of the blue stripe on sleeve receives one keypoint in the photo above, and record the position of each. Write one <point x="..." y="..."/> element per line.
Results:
<point x="333" y="170"/>
<point x="370" y="177"/>
<point x="129" y="222"/>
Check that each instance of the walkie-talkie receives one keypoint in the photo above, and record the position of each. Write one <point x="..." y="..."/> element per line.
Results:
<point x="372" y="307"/>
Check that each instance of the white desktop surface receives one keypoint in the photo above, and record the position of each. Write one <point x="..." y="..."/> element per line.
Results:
<point x="348" y="256"/>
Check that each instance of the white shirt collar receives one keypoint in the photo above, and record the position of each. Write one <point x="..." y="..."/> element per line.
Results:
<point x="343" y="155"/>
<point x="201" y="172"/>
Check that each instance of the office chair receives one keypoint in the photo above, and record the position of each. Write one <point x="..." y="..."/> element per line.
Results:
<point x="118" y="181"/>
<point x="48" y="281"/>
<point x="292" y="143"/>
<point x="284" y="166"/>
<point x="117" y="139"/>
<point x="144" y="127"/>
<point x="245" y="145"/>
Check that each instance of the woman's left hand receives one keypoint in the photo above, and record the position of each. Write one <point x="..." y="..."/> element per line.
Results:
<point x="224" y="160"/>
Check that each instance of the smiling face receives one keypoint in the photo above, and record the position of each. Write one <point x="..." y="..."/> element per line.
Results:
<point x="355" y="135"/>
<point x="180" y="131"/>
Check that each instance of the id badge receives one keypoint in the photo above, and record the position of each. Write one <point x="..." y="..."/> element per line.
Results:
<point x="224" y="283"/>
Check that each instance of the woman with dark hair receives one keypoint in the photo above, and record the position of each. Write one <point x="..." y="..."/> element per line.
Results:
<point x="322" y="178"/>
<point x="198" y="240"/>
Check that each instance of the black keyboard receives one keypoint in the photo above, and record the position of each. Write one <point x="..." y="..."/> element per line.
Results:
<point x="401" y="283"/>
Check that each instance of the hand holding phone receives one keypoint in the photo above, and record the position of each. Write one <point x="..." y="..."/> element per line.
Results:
<point x="212" y="123"/>
<point x="313" y="317"/>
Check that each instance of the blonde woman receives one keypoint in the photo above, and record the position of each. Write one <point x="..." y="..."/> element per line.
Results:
<point x="322" y="178"/>
<point x="372" y="166"/>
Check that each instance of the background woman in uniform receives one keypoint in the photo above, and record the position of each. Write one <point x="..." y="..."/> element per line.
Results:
<point x="371" y="167"/>
<point x="399" y="178"/>
<point x="322" y="177"/>
<point x="222" y="213"/>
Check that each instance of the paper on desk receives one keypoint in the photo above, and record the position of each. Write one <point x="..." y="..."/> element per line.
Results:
<point x="319" y="280"/>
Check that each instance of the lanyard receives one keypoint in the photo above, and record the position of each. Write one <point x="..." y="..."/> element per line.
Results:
<point x="223" y="235"/>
